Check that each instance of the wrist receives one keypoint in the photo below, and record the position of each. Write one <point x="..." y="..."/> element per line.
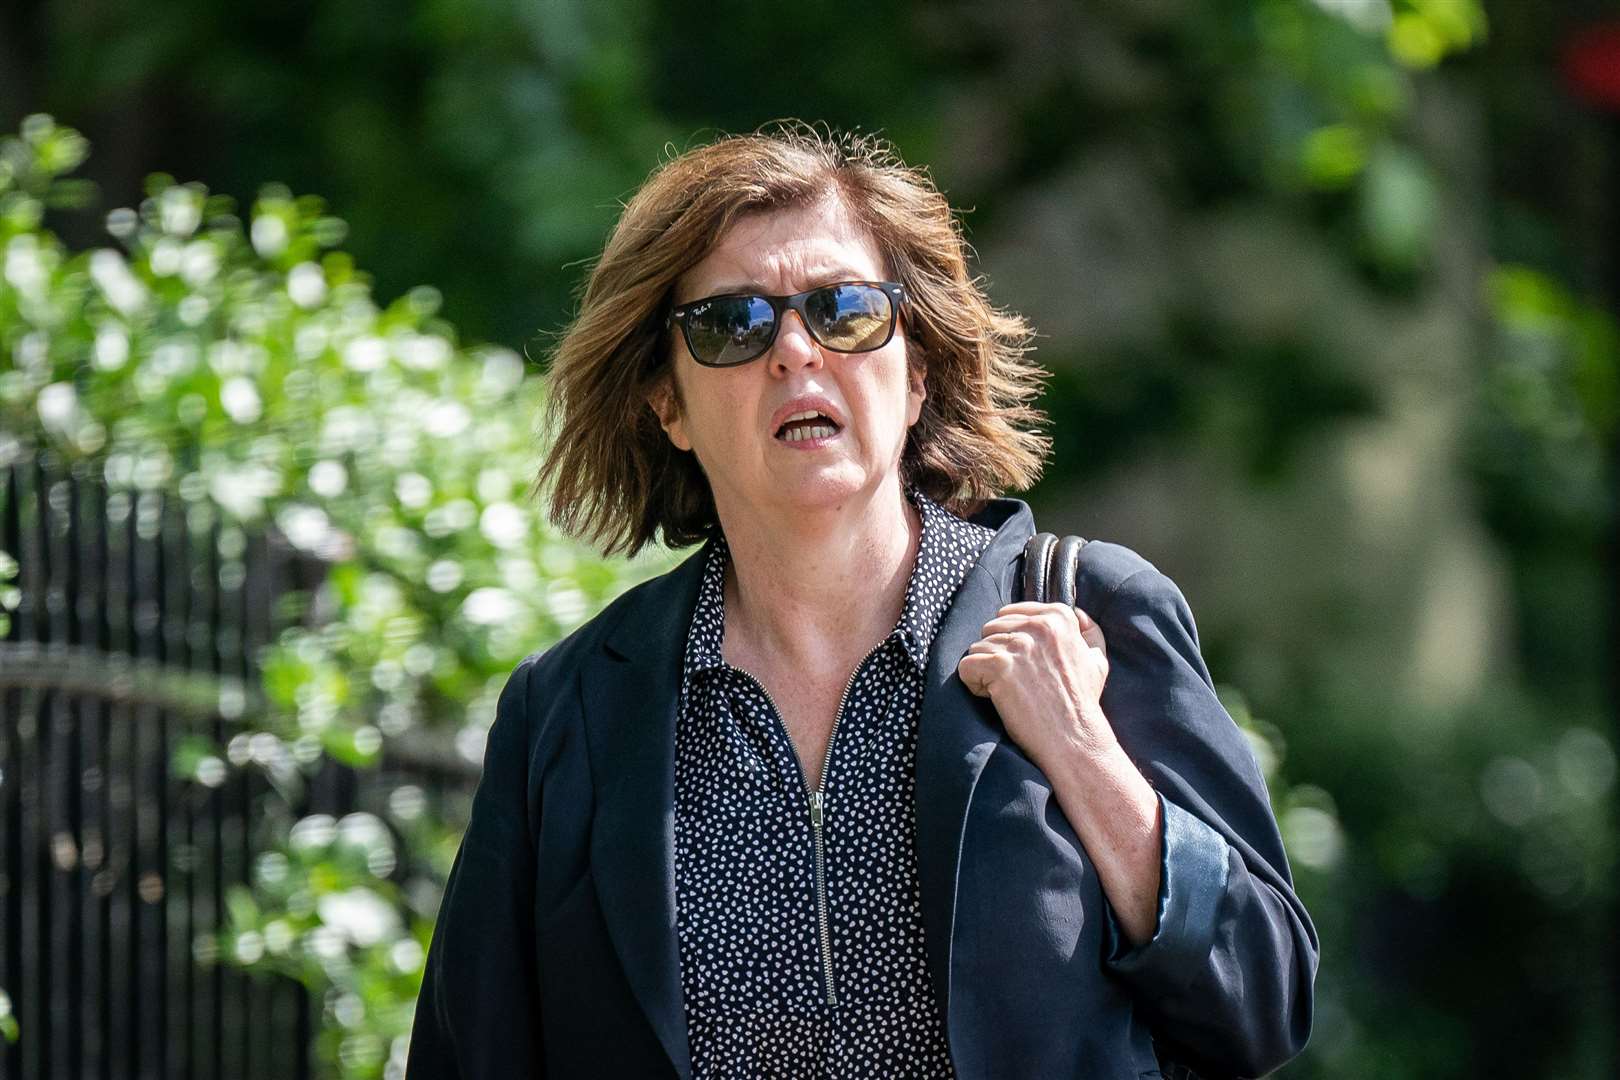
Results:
<point x="1093" y="770"/>
<point x="1089" y="739"/>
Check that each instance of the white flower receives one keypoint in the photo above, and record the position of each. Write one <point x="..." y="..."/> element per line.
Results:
<point x="365" y="353"/>
<point x="413" y="490"/>
<point x="314" y="831"/>
<point x="240" y="399"/>
<point x="503" y="524"/>
<point x="359" y="915"/>
<point x="328" y="478"/>
<point x="58" y="405"/>
<point x="444" y="575"/>
<point x="446" y="419"/>
<point x="180" y="210"/>
<point x="164" y="258"/>
<point x="489" y="606"/>
<point x="113" y="277"/>
<point x="24" y="268"/>
<point x="269" y="235"/>
<point x="565" y="602"/>
<point x="304" y="526"/>
<point x="242" y="490"/>
<point x="423" y="352"/>
<point x="503" y="369"/>
<point x="364" y="830"/>
<point x="199" y="263"/>
<point x="471" y="742"/>
<point x="406" y="956"/>
<point x="111" y="350"/>
<point x="306" y="285"/>
<point x="346" y="428"/>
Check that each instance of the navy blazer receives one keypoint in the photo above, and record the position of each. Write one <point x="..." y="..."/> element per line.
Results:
<point x="555" y="953"/>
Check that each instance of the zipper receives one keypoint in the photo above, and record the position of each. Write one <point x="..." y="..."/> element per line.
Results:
<point x="816" y="801"/>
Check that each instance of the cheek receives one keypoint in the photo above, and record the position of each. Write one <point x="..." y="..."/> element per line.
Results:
<point x="716" y="416"/>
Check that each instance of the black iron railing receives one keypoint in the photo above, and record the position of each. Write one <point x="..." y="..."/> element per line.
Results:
<point x="137" y="627"/>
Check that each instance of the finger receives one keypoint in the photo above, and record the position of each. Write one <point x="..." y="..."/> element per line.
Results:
<point x="1003" y="635"/>
<point x="1004" y="642"/>
<point x="1053" y="620"/>
<point x="1001" y="624"/>
<point x="972" y="677"/>
<point x="1027" y="607"/>
<point x="979" y="671"/>
<point x="1031" y="608"/>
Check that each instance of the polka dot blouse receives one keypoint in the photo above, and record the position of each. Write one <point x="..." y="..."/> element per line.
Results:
<point x="799" y="912"/>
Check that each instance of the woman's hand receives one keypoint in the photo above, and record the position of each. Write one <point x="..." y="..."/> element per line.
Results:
<point x="1043" y="665"/>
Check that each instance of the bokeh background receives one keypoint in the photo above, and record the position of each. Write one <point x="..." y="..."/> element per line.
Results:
<point x="1325" y="288"/>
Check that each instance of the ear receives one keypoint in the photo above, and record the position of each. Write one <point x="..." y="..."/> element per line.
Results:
<point x="916" y="394"/>
<point x="662" y="401"/>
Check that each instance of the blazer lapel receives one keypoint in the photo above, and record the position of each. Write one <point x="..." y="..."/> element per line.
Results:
<point x="957" y="734"/>
<point x="632" y="691"/>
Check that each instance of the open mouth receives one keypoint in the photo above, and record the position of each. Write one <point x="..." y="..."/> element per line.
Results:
<point x="803" y="426"/>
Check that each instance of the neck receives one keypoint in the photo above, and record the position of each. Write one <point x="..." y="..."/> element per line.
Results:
<point x="816" y="589"/>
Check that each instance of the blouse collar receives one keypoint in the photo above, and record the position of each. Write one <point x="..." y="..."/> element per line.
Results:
<point x="946" y="551"/>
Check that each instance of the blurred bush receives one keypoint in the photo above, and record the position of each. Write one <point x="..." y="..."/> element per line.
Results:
<point x="245" y="365"/>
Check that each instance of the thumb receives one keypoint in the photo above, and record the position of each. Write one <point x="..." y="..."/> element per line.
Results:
<point x="1090" y="629"/>
<point x="974" y="672"/>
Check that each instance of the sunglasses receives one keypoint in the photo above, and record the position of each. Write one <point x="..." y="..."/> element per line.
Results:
<point x="846" y="317"/>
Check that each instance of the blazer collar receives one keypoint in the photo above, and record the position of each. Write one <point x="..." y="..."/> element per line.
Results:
<point x="630" y="689"/>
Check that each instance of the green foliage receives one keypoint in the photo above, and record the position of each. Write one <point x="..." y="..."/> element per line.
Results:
<point x="1540" y="451"/>
<point x="9" y="596"/>
<point x="247" y="366"/>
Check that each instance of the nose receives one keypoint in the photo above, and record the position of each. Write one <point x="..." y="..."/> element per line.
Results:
<point x="793" y="348"/>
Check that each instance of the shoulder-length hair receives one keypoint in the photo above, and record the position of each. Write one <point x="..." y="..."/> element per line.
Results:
<point x="616" y="479"/>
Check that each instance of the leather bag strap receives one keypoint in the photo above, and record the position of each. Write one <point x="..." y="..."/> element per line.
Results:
<point x="1051" y="569"/>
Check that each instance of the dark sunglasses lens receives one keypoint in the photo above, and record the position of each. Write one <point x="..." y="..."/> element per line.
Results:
<point x="850" y="318"/>
<point x="730" y="329"/>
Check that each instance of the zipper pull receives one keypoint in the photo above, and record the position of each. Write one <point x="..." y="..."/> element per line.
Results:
<point x="815" y="809"/>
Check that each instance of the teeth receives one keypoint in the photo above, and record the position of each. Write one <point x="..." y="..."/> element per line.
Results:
<point x="809" y="414"/>
<point x="824" y="430"/>
<point x="818" y="432"/>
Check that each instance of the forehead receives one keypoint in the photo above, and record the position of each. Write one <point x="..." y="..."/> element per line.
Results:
<point x="785" y="251"/>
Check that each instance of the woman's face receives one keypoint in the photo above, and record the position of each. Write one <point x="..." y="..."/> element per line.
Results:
<point x="732" y="416"/>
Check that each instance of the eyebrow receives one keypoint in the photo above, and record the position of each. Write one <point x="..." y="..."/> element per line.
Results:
<point x="824" y="276"/>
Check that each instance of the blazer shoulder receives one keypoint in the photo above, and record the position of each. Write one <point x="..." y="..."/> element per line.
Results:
<point x="1122" y="583"/>
<point x="541" y="686"/>
<point x="1111" y="571"/>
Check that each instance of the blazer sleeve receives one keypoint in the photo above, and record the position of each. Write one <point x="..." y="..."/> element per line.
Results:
<point x="477" y="1017"/>
<point x="1229" y="973"/>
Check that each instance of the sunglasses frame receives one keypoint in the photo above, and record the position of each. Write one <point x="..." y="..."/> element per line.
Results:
<point x="780" y="305"/>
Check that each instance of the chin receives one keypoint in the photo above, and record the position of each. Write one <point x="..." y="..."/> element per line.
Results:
<point x="826" y="489"/>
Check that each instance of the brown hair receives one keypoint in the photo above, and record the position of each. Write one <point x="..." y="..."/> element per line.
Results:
<point x="614" y="475"/>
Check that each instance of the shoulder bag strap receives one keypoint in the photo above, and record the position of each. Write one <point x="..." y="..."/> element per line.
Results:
<point x="1051" y="569"/>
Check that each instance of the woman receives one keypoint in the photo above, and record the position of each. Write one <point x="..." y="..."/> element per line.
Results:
<point x="825" y="800"/>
